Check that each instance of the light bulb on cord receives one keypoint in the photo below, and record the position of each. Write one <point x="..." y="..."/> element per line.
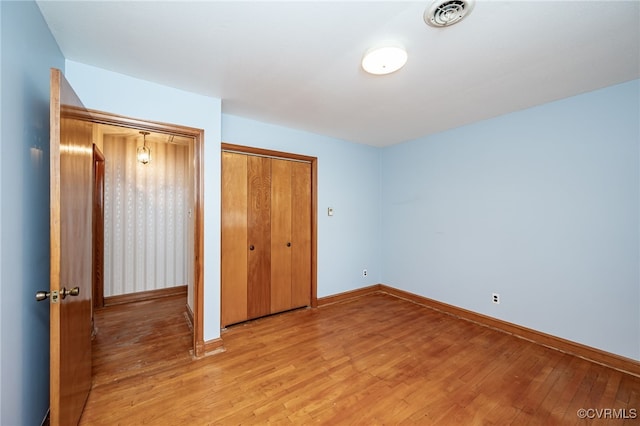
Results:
<point x="143" y="153"/>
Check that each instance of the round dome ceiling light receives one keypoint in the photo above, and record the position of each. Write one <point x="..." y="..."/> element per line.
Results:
<point x="384" y="60"/>
<point x="444" y="13"/>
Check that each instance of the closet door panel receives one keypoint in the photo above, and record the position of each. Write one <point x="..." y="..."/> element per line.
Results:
<point x="301" y="234"/>
<point x="280" y="235"/>
<point x="234" y="238"/>
<point x="259" y="237"/>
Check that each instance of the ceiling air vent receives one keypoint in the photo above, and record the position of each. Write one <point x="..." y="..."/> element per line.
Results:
<point x="444" y="13"/>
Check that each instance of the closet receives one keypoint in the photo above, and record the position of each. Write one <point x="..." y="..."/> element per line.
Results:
<point x="266" y="235"/>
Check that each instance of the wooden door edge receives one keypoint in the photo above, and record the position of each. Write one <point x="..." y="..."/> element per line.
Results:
<point x="54" y="218"/>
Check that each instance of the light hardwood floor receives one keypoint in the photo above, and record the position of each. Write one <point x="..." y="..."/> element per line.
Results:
<point x="371" y="360"/>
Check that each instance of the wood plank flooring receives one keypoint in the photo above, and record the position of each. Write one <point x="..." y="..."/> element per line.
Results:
<point x="372" y="360"/>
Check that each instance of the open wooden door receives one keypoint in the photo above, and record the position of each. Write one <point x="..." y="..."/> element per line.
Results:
<point x="71" y="254"/>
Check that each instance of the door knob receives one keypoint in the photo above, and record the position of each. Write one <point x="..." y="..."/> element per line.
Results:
<point x="72" y="292"/>
<point x="251" y="247"/>
<point x="288" y="244"/>
<point x="42" y="295"/>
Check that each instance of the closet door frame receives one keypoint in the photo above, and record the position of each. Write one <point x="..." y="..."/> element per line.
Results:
<point x="314" y="200"/>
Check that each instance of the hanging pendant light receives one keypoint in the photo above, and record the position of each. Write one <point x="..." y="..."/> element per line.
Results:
<point x="143" y="153"/>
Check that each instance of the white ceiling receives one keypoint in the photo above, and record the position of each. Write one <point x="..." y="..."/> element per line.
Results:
<point x="297" y="63"/>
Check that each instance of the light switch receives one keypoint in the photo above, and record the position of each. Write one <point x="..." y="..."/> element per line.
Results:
<point x="330" y="211"/>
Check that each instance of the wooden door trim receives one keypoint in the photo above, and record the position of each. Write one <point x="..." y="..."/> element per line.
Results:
<point x="98" y="227"/>
<point x="100" y="117"/>
<point x="228" y="147"/>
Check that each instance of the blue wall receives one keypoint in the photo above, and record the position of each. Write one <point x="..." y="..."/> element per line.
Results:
<point x="348" y="181"/>
<point x="28" y="51"/>
<point x="541" y="206"/>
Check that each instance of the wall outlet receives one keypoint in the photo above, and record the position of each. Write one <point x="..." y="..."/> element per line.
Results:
<point x="495" y="298"/>
<point x="364" y="272"/>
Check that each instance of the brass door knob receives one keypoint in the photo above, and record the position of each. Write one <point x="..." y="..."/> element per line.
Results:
<point x="72" y="292"/>
<point x="42" y="295"/>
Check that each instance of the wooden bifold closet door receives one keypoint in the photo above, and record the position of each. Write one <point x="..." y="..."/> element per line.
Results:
<point x="266" y="236"/>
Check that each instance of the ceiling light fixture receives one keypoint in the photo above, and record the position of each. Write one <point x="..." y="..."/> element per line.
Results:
<point x="444" y="13"/>
<point x="143" y="153"/>
<point x="384" y="60"/>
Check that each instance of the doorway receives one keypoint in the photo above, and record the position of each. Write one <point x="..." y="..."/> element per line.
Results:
<point x="189" y="142"/>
